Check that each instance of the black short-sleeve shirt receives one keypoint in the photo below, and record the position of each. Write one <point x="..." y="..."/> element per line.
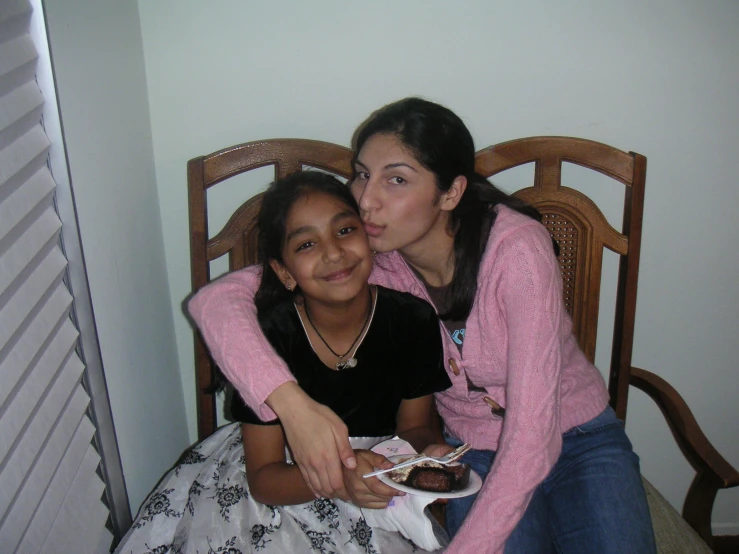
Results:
<point x="401" y="357"/>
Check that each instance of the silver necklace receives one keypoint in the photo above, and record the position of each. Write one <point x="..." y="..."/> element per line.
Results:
<point x="351" y="361"/>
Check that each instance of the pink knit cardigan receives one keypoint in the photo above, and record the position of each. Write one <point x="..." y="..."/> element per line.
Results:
<point x="518" y="346"/>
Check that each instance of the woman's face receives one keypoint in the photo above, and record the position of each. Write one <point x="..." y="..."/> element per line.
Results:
<point x="397" y="196"/>
<point x="326" y="250"/>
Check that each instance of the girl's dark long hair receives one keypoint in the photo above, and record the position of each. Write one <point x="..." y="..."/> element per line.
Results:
<point x="277" y="201"/>
<point x="441" y="142"/>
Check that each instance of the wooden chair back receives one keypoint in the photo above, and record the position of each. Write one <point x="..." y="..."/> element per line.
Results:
<point x="238" y="238"/>
<point x="582" y="232"/>
<point x="573" y="219"/>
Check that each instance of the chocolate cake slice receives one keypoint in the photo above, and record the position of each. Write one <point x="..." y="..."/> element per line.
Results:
<point x="433" y="477"/>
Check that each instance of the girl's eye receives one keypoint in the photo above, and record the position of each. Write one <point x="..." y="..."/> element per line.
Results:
<point x="346" y="230"/>
<point x="398" y="181"/>
<point x="303" y="246"/>
<point x="360" y="175"/>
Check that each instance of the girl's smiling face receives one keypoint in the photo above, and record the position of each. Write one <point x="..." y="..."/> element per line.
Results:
<point x="326" y="252"/>
<point x="397" y="196"/>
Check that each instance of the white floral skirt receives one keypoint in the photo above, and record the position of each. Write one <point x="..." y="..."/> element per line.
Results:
<point x="203" y="506"/>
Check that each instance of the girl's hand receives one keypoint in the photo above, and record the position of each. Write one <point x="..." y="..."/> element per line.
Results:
<point x="370" y="492"/>
<point x="318" y="440"/>
<point x="438" y="449"/>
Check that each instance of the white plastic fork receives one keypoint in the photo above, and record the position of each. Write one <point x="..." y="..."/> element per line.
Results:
<point x="418" y="458"/>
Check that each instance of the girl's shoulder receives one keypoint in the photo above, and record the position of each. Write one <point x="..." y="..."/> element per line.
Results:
<point x="403" y="305"/>
<point x="280" y="323"/>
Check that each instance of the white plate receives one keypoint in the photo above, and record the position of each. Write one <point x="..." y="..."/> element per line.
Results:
<point x="472" y="487"/>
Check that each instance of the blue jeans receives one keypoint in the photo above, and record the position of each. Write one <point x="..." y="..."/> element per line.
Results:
<point x="592" y="501"/>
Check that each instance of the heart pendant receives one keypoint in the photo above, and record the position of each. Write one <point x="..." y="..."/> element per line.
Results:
<point x="351" y="362"/>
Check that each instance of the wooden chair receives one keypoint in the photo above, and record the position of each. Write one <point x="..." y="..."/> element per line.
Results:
<point x="582" y="232"/>
<point x="238" y="238"/>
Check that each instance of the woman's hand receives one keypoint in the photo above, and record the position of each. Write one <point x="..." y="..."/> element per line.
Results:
<point x="370" y="492"/>
<point x="318" y="440"/>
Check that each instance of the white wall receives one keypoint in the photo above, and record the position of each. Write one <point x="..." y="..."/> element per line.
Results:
<point x="99" y="67"/>
<point x="658" y="77"/>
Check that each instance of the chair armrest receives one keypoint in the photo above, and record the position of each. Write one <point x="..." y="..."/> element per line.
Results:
<point x="713" y="472"/>
<point x="692" y="441"/>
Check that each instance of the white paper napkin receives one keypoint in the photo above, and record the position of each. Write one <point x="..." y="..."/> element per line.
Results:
<point x="404" y="514"/>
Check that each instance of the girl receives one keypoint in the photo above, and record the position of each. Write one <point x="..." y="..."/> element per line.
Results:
<point x="372" y="355"/>
<point x="561" y="473"/>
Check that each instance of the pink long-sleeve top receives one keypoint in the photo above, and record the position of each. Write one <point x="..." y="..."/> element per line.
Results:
<point x="518" y="346"/>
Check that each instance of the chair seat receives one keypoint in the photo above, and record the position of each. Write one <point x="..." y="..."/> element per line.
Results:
<point x="671" y="531"/>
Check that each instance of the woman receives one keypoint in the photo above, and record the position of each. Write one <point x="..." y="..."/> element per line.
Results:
<point x="561" y="474"/>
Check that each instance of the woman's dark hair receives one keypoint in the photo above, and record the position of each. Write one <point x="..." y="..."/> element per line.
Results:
<point x="277" y="201"/>
<point x="441" y="142"/>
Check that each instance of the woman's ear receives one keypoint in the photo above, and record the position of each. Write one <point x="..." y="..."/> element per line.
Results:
<point x="451" y="197"/>
<point x="283" y="274"/>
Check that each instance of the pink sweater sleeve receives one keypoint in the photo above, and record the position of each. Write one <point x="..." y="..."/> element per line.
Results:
<point x="528" y="290"/>
<point x="225" y="313"/>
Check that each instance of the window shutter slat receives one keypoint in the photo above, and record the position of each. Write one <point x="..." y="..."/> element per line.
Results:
<point x="43" y="519"/>
<point x="38" y="399"/>
<point x="71" y="533"/>
<point x="20" y="306"/>
<point x="25" y="205"/>
<point x="34" y="341"/>
<point x="18" y="62"/>
<point x="22" y="158"/>
<point x="34" y="244"/>
<point x="20" y="111"/>
<point x="72" y="425"/>
<point x="39" y="426"/>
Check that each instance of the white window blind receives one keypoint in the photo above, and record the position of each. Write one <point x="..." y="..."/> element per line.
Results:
<point x="53" y="495"/>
